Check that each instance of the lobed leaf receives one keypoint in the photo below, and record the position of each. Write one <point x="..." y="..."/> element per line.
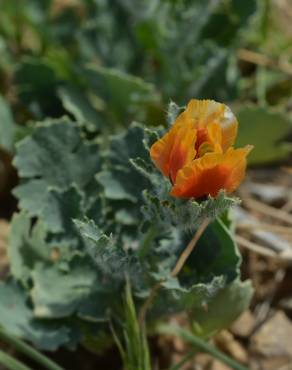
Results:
<point x="17" y="319"/>
<point x="275" y="126"/>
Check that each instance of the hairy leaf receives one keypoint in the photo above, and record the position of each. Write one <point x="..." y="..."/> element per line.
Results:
<point x="57" y="293"/>
<point x="17" y="319"/>
<point x="225" y="307"/>
<point x="54" y="156"/>
<point x="27" y="246"/>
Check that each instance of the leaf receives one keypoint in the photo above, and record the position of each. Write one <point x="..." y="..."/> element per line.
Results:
<point x="27" y="245"/>
<point x="121" y="180"/>
<point x="126" y="97"/>
<point x="137" y="354"/>
<point x="179" y="297"/>
<point x="91" y="231"/>
<point x="118" y="184"/>
<point x="213" y="264"/>
<point x="216" y="253"/>
<point x="57" y="142"/>
<point x="17" y="318"/>
<point x="128" y="145"/>
<point x="224" y="308"/>
<point x="60" y="207"/>
<point x="36" y="81"/>
<point x="266" y="130"/>
<point x="111" y="258"/>
<point x="99" y="246"/>
<point x="184" y="214"/>
<point x="212" y="77"/>
<point x="57" y="293"/>
<point x="54" y="156"/>
<point x="233" y="15"/>
<point x="77" y="103"/>
<point x="7" y="126"/>
<point x="56" y="210"/>
<point x="94" y="309"/>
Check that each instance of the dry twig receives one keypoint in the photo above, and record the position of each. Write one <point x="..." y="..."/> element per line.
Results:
<point x="264" y="60"/>
<point x="254" y="247"/>
<point x="268" y="210"/>
<point x="265" y="226"/>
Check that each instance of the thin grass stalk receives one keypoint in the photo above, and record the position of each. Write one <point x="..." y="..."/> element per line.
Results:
<point x="11" y="363"/>
<point x="29" y="351"/>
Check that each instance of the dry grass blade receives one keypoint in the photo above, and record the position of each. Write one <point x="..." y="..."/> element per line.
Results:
<point x="264" y="60"/>
<point x="254" y="247"/>
<point x="265" y="226"/>
<point x="267" y="210"/>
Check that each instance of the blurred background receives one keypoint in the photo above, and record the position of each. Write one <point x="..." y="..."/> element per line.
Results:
<point x="108" y="63"/>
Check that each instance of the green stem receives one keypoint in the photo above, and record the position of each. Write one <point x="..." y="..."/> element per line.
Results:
<point x="147" y="241"/>
<point x="201" y="345"/>
<point x="29" y="351"/>
<point x="11" y="363"/>
<point x="184" y="360"/>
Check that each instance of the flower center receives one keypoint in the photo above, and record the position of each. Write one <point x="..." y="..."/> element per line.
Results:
<point x="203" y="143"/>
<point x="202" y="136"/>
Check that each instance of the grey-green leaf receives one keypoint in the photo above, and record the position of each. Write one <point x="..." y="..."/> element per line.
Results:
<point x="17" y="318"/>
<point x="225" y="307"/>
<point x="57" y="156"/>
<point x="266" y="130"/>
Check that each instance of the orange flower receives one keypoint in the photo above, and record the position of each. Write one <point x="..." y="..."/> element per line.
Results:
<point x="197" y="154"/>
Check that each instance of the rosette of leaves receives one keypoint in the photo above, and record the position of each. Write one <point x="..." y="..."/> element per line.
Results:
<point x="94" y="211"/>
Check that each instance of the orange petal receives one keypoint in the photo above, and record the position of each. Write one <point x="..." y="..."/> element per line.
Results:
<point x="211" y="173"/>
<point x="174" y="150"/>
<point x="203" y="112"/>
